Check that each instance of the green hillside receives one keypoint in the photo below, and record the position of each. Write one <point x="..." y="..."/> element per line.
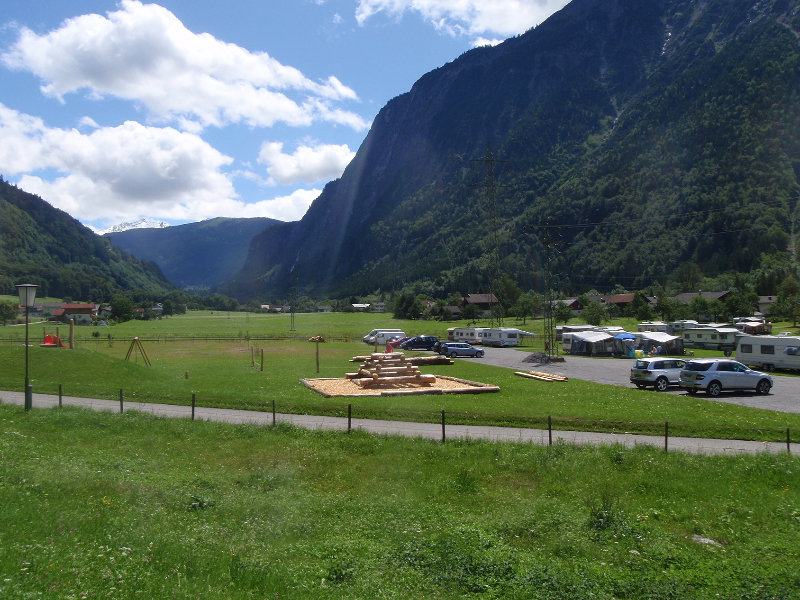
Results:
<point x="194" y="255"/>
<point x="653" y="133"/>
<point x="43" y="245"/>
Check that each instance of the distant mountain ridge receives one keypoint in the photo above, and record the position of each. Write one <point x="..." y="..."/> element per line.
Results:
<point x="194" y="255"/>
<point x="142" y="223"/>
<point x="43" y="245"/>
<point x="654" y="132"/>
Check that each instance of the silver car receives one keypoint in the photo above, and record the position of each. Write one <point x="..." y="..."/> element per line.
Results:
<point x="656" y="371"/>
<point x="716" y="375"/>
<point x="453" y="349"/>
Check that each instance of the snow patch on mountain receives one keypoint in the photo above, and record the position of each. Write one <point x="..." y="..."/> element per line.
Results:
<point x="138" y="224"/>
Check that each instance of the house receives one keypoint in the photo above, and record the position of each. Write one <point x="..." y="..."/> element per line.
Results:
<point x="360" y="307"/>
<point x="709" y="296"/>
<point x="765" y="302"/>
<point x="455" y="311"/>
<point x="81" y="313"/>
<point x="378" y="307"/>
<point x="483" y="301"/>
<point x="572" y="303"/>
<point x="324" y="309"/>
<point x="47" y="308"/>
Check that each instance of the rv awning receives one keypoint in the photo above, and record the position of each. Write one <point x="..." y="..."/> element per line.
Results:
<point x="625" y="336"/>
<point x="591" y="336"/>
<point x="657" y="336"/>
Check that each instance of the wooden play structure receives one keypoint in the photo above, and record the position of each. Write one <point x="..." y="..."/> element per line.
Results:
<point x="136" y="344"/>
<point x="388" y="369"/>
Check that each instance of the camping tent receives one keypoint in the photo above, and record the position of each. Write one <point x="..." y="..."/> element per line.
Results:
<point x="670" y="344"/>
<point x="591" y="342"/>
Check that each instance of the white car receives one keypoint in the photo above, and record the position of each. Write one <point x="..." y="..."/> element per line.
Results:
<point x="656" y="371"/>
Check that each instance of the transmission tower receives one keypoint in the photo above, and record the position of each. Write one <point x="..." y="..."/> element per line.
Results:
<point x="549" y="248"/>
<point x="493" y="257"/>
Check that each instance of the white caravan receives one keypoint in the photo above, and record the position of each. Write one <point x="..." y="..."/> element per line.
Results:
<point x="769" y="352"/>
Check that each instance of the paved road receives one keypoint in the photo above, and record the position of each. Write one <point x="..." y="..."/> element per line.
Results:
<point x="421" y="430"/>
<point x="784" y="397"/>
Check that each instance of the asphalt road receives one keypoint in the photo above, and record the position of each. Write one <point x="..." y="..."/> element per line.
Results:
<point x="784" y="396"/>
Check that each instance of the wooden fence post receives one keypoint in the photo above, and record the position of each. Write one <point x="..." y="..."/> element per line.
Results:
<point x="666" y="436"/>
<point x="193" y="401"/>
<point x="262" y="359"/>
<point x="59" y="395"/>
<point x="121" y="410"/>
<point x="549" y="430"/>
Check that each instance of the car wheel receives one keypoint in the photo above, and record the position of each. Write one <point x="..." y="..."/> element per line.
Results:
<point x="763" y="387"/>
<point x="661" y="384"/>
<point x="479" y="354"/>
<point x="768" y="367"/>
<point x="692" y="391"/>
<point x="453" y="354"/>
<point x="714" y="388"/>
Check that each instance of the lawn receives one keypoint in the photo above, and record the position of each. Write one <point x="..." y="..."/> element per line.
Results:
<point x="221" y="374"/>
<point x="132" y="506"/>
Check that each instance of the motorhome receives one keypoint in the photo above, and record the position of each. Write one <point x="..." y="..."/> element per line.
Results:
<point x="769" y="352"/>
<point x="488" y="336"/>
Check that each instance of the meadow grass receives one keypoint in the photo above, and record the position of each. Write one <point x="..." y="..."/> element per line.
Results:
<point x="221" y="374"/>
<point x="133" y="506"/>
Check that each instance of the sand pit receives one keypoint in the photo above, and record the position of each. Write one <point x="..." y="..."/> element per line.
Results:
<point x="443" y="385"/>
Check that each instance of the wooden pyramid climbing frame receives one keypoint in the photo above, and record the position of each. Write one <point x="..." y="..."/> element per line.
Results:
<point x="388" y="369"/>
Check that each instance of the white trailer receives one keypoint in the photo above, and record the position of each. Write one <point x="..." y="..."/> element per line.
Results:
<point x="711" y="338"/>
<point x="769" y="352"/>
<point x="499" y="336"/>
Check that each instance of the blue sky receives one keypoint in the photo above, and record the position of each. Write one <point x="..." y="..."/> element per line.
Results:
<point x="185" y="110"/>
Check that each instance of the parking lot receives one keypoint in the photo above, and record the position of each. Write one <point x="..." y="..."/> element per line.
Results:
<point x="784" y="396"/>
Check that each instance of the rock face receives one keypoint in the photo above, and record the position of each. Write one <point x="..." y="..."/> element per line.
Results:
<point x="562" y="104"/>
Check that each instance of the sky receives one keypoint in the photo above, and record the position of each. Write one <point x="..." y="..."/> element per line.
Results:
<point x="185" y="110"/>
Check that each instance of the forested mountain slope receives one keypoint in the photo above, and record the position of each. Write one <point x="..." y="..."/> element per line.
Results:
<point x="44" y="245"/>
<point x="194" y="255"/>
<point x="653" y="132"/>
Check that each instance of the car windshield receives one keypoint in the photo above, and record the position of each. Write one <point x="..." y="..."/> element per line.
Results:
<point x="696" y="366"/>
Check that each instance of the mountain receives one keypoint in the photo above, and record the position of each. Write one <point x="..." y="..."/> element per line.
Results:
<point x="138" y="224"/>
<point x="199" y="255"/>
<point x="653" y="133"/>
<point x="44" y="245"/>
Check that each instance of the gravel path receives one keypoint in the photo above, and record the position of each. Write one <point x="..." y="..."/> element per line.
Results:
<point x="433" y="431"/>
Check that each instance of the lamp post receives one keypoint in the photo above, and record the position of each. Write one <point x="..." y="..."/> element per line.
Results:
<point x="27" y="295"/>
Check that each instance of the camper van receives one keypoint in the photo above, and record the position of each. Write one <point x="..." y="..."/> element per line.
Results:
<point x="381" y="336"/>
<point x="468" y="335"/>
<point x="769" y="352"/>
<point x="711" y="338"/>
<point x="499" y="336"/>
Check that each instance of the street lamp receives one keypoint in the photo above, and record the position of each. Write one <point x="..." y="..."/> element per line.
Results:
<point x="27" y="295"/>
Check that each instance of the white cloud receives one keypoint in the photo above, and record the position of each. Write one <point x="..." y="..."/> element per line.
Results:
<point x="468" y="17"/>
<point x="143" y="53"/>
<point x="308" y="164"/>
<point x="114" y="172"/>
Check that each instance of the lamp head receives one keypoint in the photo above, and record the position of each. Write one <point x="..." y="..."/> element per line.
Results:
<point x="27" y="294"/>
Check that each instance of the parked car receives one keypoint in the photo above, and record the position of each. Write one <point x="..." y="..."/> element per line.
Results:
<point x="420" y="342"/>
<point x="716" y="375"/>
<point x="437" y="347"/>
<point x="454" y="349"/>
<point x="658" y="372"/>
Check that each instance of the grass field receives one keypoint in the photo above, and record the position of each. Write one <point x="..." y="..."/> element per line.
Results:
<point x="130" y="506"/>
<point x="221" y="374"/>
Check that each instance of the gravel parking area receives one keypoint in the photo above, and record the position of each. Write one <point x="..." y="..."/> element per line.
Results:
<point x="784" y="397"/>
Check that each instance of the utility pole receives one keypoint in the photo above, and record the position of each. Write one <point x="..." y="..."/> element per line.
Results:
<point x="293" y="307"/>
<point x="493" y="266"/>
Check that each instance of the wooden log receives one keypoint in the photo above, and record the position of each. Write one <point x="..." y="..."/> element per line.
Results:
<point x="540" y="376"/>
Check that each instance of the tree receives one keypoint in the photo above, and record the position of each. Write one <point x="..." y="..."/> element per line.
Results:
<point x="594" y="313"/>
<point x="698" y="306"/>
<point x="507" y="291"/>
<point x="717" y="309"/>
<point x="562" y="312"/>
<point x="788" y="302"/>
<point x="470" y="312"/>
<point x="523" y="308"/>
<point x="121" y="308"/>
<point x="7" y="311"/>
